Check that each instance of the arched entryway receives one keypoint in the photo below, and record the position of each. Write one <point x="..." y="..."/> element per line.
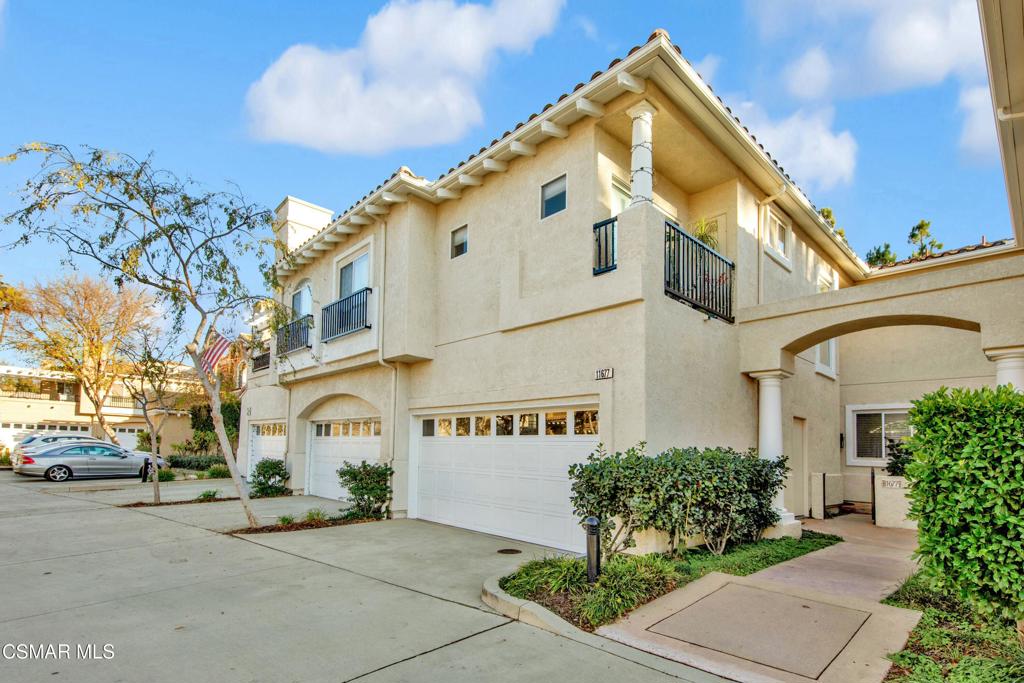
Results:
<point x="339" y="429"/>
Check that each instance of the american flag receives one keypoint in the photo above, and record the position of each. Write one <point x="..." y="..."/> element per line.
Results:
<point x="217" y="345"/>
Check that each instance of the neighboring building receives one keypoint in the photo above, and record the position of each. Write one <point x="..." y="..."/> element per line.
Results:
<point x="35" y="400"/>
<point x="483" y="331"/>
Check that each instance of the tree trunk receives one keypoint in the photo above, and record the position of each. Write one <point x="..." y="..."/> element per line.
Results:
<point x="222" y="437"/>
<point x="154" y="438"/>
<point x="1020" y="633"/>
<point x="107" y="429"/>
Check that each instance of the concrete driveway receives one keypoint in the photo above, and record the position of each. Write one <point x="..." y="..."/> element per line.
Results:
<point x="176" y="600"/>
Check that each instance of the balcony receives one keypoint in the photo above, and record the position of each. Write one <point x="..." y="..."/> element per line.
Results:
<point x="697" y="275"/>
<point x="120" y="402"/>
<point x="37" y="395"/>
<point x="346" y="316"/>
<point x="261" y="361"/>
<point x="294" y="335"/>
<point x="605" y="246"/>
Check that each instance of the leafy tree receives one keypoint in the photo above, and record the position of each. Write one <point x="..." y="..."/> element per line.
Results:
<point x="76" y="324"/>
<point x="921" y="239"/>
<point x="826" y="215"/>
<point x="12" y="301"/>
<point x="145" y="225"/>
<point x="881" y="255"/>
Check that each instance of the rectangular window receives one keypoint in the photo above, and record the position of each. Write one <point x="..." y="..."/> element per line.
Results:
<point x="621" y="196"/>
<point x="879" y="433"/>
<point x="354" y="276"/>
<point x="444" y="426"/>
<point x="528" y="424"/>
<point x="503" y="425"/>
<point x="555" y="424"/>
<point x="778" y="234"/>
<point x="483" y="426"/>
<point x="462" y="426"/>
<point x="584" y="422"/>
<point x="552" y="197"/>
<point x="460" y="241"/>
<point x="376" y="428"/>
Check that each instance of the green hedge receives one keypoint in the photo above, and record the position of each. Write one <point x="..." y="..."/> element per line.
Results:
<point x="195" y="462"/>
<point x="269" y="478"/>
<point x="369" y="489"/>
<point x="719" y="493"/>
<point x="967" y="494"/>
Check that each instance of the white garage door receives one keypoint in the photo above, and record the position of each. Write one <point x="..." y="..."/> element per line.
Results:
<point x="506" y="473"/>
<point x="338" y="442"/>
<point x="128" y="437"/>
<point x="13" y="432"/>
<point x="267" y="440"/>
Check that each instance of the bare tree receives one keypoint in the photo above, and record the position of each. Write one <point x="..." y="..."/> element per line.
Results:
<point x="147" y="226"/>
<point x="75" y="324"/>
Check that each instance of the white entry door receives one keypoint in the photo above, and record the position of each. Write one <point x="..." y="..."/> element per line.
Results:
<point x="506" y="472"/>
<point x="334" y="444"/>
<point x="267" y="440"/>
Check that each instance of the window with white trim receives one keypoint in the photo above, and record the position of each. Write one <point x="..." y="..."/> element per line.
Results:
<point x="302" y="300"/>
<point x="826" y="350"/>
<point x="354" y="275"/>
<point x="460" y="241"/>
<point x="875" y="433"/>
<point x="553" y="197"/>
<point x="778" y="235"/>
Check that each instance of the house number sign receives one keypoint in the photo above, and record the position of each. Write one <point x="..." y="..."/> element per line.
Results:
<point x="892" y="484"/>
<point x="604" y="373"/>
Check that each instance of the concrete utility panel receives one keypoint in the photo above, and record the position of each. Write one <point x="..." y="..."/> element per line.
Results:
<point x="762" y="626"/>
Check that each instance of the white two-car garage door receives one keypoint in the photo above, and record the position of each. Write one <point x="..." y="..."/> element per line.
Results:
<point x="505" y="472"/>
<point x="338" y="442"/>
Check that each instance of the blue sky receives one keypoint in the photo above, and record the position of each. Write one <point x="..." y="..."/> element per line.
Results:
<point x="878" y="109"/>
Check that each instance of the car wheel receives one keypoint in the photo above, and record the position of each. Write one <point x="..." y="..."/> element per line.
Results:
<point x="58" y="473"/>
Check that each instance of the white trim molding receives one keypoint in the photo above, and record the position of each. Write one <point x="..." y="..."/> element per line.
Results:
<point x="852" y="409"/>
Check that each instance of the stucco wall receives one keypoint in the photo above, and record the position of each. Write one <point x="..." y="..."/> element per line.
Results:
<point x="893" y="365"/>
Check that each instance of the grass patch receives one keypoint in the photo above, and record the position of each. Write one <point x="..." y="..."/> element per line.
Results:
<point x="952" y="642"/>
<point x="628" y="581"/>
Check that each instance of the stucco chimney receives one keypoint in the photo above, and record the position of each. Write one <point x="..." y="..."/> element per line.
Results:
<point x="297" y="221"/>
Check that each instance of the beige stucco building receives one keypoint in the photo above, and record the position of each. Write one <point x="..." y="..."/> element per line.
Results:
<point x="484" y="330"/>
<point x="35" y="400"/>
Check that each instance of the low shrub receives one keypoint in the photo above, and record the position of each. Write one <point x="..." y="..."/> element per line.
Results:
<point x="718" y="493"/>
<point x="202" y="443"/>
<point x="5" y="459"/>
<point x="269" y="479"/>
<point x="967" y="495"/>
<point x="899" y="457"/>
<point x="143" y="442"/>
<point x="552" y="574"/>
<point x="209" y="494"/>
<point x="315" y="515"/>
<point x="286" y="520"/>
<point x="166" y="474"/>
<point x="217" y="472"/>
<point x="626" y="582"/>
<point x="369" y="489"/>
<point x="194" y="462"/>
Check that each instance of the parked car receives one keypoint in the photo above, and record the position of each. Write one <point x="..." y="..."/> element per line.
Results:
<point x="81" y="459"/>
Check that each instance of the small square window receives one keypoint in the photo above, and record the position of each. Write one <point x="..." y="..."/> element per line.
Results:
<point x="462" y="426"/>
<point x="503" y="425"/>
<point x="460" y="241"/>
<point x="528" y="424"/>
<point x="585" y="422"/>
<point x="428" y="428"/>
<point x="552" y="197"/>
<point x="483" y="426"/>
<point x="555" y="424"/>
<point x="444" y="426"/>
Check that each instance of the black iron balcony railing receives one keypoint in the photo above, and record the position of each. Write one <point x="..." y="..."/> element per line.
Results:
<point x="604" y="246"/>
<point x="120" y="402"/>
<point x="697" y="275"/>
<point x="346" y="316"/>
<point x="294" y="335"/>
<point x="261" y="361"/>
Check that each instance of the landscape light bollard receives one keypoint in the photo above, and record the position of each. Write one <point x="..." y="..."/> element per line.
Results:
<point x="593" y="548"/>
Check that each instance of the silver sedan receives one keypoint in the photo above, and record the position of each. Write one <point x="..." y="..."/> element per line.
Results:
<point x="81" y="460"/>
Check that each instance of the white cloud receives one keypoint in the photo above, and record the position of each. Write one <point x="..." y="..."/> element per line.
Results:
<point x="708" y="67"/>
<point x="804" y="143"/>
<point x="588" y="27"/>
<point x="411" y="82"/>
<point x="978" y="137"/>
<point x="810" y="76"/>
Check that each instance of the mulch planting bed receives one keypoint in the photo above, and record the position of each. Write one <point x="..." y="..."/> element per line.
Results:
<point x="298" y="526"/>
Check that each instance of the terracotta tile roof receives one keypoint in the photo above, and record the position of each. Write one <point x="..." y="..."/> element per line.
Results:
<point x="983" y="244"/>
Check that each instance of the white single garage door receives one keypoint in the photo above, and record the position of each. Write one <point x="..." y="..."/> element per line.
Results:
<point x="267" y="440"/>
<point x="13" y="432"/>
<point x="338" y="442"/>
<point x="506" y="472"/>
<point x="128" y="437"/>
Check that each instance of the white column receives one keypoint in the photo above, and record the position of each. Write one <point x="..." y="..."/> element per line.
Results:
<point x="1009" y="365"/>
<point x="641" y="172"/>
<point x="769" y="427"/>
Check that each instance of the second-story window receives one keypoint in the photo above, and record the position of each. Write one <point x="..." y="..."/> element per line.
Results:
<point x="354" y="276"/>
<point x="552" y="197"/>
<point x="778" y="234"/>
<point x="302" y="301"/>
<point x="460" y="241"/>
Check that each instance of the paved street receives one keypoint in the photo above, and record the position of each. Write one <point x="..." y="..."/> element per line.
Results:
<point x="177" y="600"/>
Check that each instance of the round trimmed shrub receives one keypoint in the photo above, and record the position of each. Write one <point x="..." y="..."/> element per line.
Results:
<point x="269" y="478"/>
